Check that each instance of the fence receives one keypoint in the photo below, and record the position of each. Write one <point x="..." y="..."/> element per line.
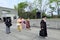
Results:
<point x="51" y="23"/>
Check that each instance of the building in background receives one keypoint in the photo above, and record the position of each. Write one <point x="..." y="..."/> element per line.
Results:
<point x="7" y="12"/>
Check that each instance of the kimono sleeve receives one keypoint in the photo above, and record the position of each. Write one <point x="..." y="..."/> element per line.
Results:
<point x="42" y="24"/>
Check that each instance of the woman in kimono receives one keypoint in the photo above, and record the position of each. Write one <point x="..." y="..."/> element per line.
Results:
<point x="19" y="23"/>
<point x="23" y="23"/>
<point x="43" y="31"/>
<point x="27" y="24"/>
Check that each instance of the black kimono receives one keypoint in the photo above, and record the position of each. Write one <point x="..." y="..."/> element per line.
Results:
<point x="43" y="31"/>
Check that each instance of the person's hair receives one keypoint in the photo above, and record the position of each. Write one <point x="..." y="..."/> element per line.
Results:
<point x="20" y="17"/>
<point x="43" y="16"/>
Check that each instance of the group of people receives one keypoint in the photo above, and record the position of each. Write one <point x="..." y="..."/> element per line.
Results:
<point x="23" y="23"/>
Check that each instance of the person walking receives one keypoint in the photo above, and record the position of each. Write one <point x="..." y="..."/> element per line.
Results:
<point x="8" y="24"/>
<point x="19" y="24"/>
<point x="27" y="23"/>
<point x="23" y="23"/>
<point x="43" y="31"/>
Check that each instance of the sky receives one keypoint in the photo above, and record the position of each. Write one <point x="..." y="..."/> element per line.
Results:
<point x="11" y="3"/>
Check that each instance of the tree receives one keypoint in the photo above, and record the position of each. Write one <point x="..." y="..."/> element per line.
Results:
<point x="56" y="1"/>
<point x="15" y="7"/>
<point x="21" y="7"/>
<point x="42" y="10"/>
<point x="34" y="12"/>
<point x="52" y="10"/>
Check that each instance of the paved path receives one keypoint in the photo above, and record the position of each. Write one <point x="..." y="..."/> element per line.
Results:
<point x="27" y="34"/>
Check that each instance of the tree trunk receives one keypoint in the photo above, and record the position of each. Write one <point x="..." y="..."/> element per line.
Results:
<point x="51" y="14"/>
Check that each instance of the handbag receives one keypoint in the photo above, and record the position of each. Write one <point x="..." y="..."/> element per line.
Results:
<point x="41" y="33"/>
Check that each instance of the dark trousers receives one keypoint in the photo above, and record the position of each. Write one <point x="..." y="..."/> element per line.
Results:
<point x="7" y="29"/>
